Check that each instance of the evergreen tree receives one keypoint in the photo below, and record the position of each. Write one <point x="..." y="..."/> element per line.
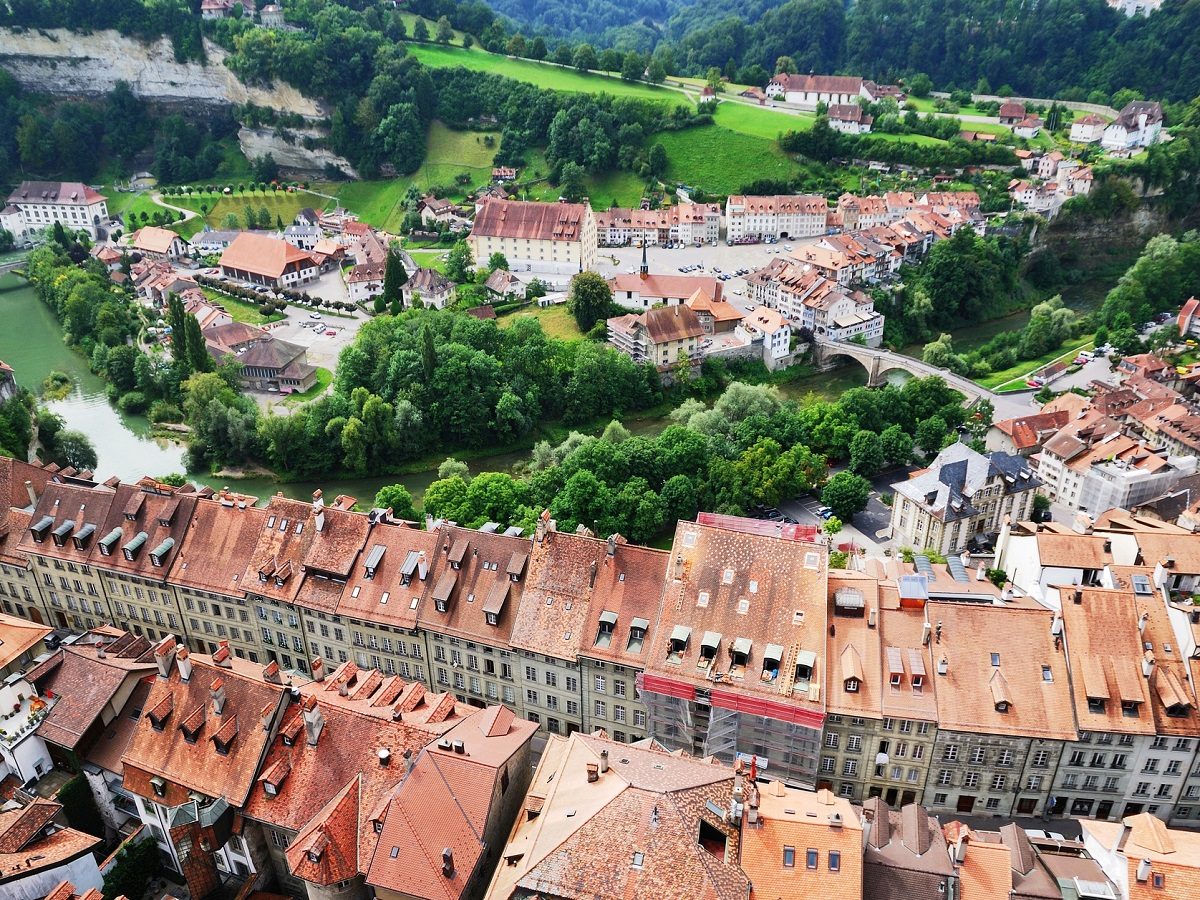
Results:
<point x="428" y="353"/>
<point x="394" y="278"/>
<point x="198" y="358"/>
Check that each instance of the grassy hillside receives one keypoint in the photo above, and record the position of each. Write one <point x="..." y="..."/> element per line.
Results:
<point x="720" y="161"/>
<point x="551" y="77"/>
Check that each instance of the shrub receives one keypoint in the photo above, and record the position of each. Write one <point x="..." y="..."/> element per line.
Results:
<point x="132" y="403"/>
<point x="164" y="411"/>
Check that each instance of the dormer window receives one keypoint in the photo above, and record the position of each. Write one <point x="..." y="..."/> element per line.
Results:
<point x="314" y="856"/>
<point x="709" y="645"/>
<point x="852" y="685"/>
<point x="39" y="531"/>
<point x="409" y="567"/>
<point x="806" y="661"/>
<point x="83" y="536"/>
<point x="159" y="786"/>
<point x="772" y="657"/>
<point x="269" y="789"/>
<point x="189" y="735"/>
<point x="109" y="541"/>
<point x="918" y="682"/>
<point x="492" y="619"/>
<point x="1096" y="705"/>
<point x="637" y="635"/>
<point x="134" y="547"/>
<point x="677" y="646"/>
<point x="608" y="624"/>
<point x="159" y="554"/>
<point x="262" y="576"/>
<point x="740" y="652"/>
<point x="1130" y="708"/>
<point x="61" y="532"/>
<point x="516" y="565"/>
<point x="373" y="560"/>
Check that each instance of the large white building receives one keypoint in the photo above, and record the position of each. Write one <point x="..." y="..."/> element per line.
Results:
<point x="555" y="238"/>
<point x="782" y="216"/>
<point x="36" y="205"/>
<point x="806" y="91"/>
<point x="1139" y="125"/>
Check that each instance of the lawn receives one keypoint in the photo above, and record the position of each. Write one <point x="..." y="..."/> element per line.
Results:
<point x="925" y="105"/>
<point x="281" y="205"/>
<point x="720" y="161"/>
<point x="604" y="189"/>
<point x="544" y="75"/>
<point x="410" y="22"/>
<point x="430" y="259"/>
<point x="1014" y="378"/>
<point x="556" y="321"/>
<point x="324" y="379"/>
<point x="760" y="121"/>
<point x="240" y="310"/>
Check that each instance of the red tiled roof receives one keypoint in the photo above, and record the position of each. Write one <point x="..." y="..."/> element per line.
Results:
<point x="326" y="849"/>
<point x="262" y="255"/>
<point x="521" y="219"/>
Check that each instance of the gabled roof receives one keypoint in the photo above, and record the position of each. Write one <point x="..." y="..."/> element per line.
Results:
<point x="220" y="536"/>
<point x="198" y="766"/>
<point x="18" y="637"/>
<point x="326" y="849"/>
<point x="671" y="323"/>
<point x="263" y="255"/>
<point x="519" y="219"/>
<point x="581" y="841"/>
<point x="152" y="239"/>
<point x="26" y="848"/>
<point x="62" y="192"/>
<point x="85" y="685"/>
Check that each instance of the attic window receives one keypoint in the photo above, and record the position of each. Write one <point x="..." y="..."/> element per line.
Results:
<point x="727" y="577"/>
<point x="283" y="525"/>
<point x="702" y="599"/>
<point x="995" y="659"/>
<point x="60" y="533"/>
<point x="39" y="530"/>
<point x="851" y="685"/>
<point x="1047" y="675"/>
<point x="269" y="789"/>
<point x="811" y="559"/>
<point x="134" y="546"/>
<point x="1141" y="585"/>
<point x="637" y="635"/>
<point x="492" y="618"/>
<point x="299" y="527"/>
<point x="160" y="786"/>
<point x="743" y="606"/>
<point x="314" y="856"/>
<point x="689" y="539"/>
<point x="394" y="852"/>
<point x="798" y="617"/>
<point x="270" y="521"/>
<point x="639" y="859"/>
<point x="82" y="536"/>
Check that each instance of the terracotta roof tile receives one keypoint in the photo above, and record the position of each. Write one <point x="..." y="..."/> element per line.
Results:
<point x="263" y="255"/>
<point x="26" y="849"/>
<point x="531" y="221"/>
<point x="326" y="850"/>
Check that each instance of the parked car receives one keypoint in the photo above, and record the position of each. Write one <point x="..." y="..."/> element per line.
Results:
<point x="329" y="332"/>
<point x="314" y="315"/>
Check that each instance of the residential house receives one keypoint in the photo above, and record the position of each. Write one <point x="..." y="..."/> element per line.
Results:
<point x="1139" y="124"/>
<point x="962" y="496"/>
<point x="809" y="300"/>
<point x="159" y="243"/>
<point x="1025" y="435"/>
<point x="303" y="236"/>
<point x="665" y="336"/>
<point x="501" y="174"/>
<point x="428" y="288"/>
<point x="436" y="211"/>
<point x="781" y="824"/>
<point x="1028" y="128"/>
<point x="613" y="646"/>
<point x="781" y="216"/>
<point x="861" y="213"/>
<point x="24" y="756"/>
<point x="475" y="778"/>
<point x="210" y="241"/>
<point x="112" y="258"/>
<point x="504" y="287"/>
<point x="34" y="206"/>
<point x="259" y="259"/>
<point x="807" y="91"/>
<point x="715" y="316"/>
<point x="1011" y="112"/>
<point x="849" y="118"/>
<point x="38" y="853"/>
<point x="1102" y="630"/>
<point x="21" y="595"/>
<point x="1004" y="709"/>
<point x="555" y="238"/>
<point x="905" y="854"/>
<point x="747" y="632"/>
<point x="687" y="223"/>
<point x="1144" y="858"/>
<point x="1189" y="321"/>
<point x="610" y="819"/>
<point x="1088" y="129"/>
<point x="770" y="328"/>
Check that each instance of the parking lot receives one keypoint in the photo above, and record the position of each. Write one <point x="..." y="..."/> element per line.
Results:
<point x="615" y="260"/>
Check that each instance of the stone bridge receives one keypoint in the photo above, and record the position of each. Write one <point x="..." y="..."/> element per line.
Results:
<point x="879" y="361"/>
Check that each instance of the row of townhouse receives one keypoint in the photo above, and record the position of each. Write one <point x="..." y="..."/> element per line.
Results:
<point x="808" y="299"/>
<point x="730" y="645"/>
<point x="347" y="784"/>
<point x="686" y="223"/>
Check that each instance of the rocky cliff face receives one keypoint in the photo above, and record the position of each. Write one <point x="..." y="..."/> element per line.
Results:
<point x="62" y="62"/>
<point x="291" y="154"/>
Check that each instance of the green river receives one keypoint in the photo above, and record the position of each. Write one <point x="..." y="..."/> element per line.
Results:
<point x="32" y="344"/>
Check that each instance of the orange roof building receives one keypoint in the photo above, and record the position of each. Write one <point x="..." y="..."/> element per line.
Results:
<point x="1146" y="859"/>
<point x="259" y="259"/>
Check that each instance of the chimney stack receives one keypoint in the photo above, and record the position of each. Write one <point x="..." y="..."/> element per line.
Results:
<point x="318" y="670"/>
<point x="422" y="565"/>
<point x="313" y="720"/>
<point x="31" y="493"/>
<point x="925" y="631"/>
<point x="410" y="759"/>
<point x="222" y="657"/>
<point x="164" y="656"/>
<point x="385" y="756"/>
<point x="271" y="673"/>
<point x="603" y="761"/>
<point x="447" y="863"/>
<point x="592" y="575"/>
<point x="678" y="567"/>
<point x="938" y="633"/>
<point x="318" y="508"/>
<point x="100" y="654"/>
<point x="612" y="545"/>
<point x="217" y="691"/>
<point x="593" y="772"/>
<point x="183" y="659"/>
